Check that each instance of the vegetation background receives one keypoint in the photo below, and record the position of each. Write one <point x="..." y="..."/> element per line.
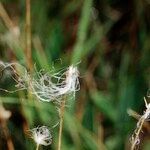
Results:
<point x="110" y="42"/>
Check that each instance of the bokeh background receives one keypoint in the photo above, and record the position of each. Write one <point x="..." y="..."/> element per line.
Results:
<point x="109" y="41"/>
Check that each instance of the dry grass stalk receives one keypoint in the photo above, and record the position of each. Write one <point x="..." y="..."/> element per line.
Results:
<point x="61" y="116"/>
<point x="135" y="139"/>
<point x="28" y="35"/>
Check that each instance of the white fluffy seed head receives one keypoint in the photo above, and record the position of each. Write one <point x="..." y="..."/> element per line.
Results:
<point x="42" y="136"/>
<point x="65" y="83"/>
<point x="46" y="87"/>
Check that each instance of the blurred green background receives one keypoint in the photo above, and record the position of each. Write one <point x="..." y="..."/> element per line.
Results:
<point x="110" y="42"/>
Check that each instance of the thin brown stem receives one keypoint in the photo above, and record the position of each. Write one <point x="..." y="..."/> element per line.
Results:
<point x="28" y="35"/>
<point x="61" y="115"/>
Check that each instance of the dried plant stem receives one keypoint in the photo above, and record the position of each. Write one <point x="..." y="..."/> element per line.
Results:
<point x="37" y="147"/>
<point x="137" y="133"/>
<point x="61" y="115"/>
<point x="28" y="35"/>
<point x="135" y="139"/>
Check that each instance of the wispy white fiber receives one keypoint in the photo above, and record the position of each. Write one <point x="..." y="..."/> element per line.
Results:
<point x="41" y="136"/>
<point x="46" y="87"/>
<point x="18" y="73"/>
<point x="53" y="87"/>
